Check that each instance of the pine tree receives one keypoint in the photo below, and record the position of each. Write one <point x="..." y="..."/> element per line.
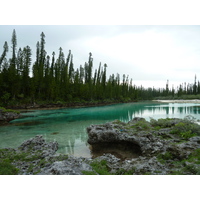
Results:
<point x="195" y="85"/>
<point x="14" y="46"/>
<point x="26" y="70"/>
<point x="5" y="46"/>
<point x="35" y="80"/>
<point x="12" y="78"/>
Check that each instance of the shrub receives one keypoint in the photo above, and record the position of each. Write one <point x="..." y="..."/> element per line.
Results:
<point x="100" y="167"/>
<point x="186" y="128"/>
<point x="183" y="130"/>
<point x="142" y="125"/>
<point x="162" y="123"/>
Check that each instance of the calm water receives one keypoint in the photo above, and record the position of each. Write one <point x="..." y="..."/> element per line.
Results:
<point x="68" y="126"/>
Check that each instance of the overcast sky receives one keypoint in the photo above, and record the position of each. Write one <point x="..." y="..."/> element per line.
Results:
<point x="150" y="55"/>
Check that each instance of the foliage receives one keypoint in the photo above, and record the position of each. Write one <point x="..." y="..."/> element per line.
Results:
<point x="101" y="167"/>
<point x="8" y="110"/>
<point x="162" y="123"/>
<point x="142" y="125"/>
<point x="56" y="79"/>
<point x="163" y="157"/>
<point x="6" y="168"/>
<point x="125" y="172"/>
<point x="89" y="173"/>
<point x="186" y="128"/>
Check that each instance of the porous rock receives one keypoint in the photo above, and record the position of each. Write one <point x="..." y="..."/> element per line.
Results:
<point x="71" y="166"/>
<point x="110" y="133"/>
<point x="37" y="144"/>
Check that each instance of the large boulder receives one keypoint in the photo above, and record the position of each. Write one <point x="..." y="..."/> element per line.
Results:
<point x="111" y="134"/>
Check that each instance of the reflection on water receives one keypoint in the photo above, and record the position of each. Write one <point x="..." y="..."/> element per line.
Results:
<point x="68" y="126"/>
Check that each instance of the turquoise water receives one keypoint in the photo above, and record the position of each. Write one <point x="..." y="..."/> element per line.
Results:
<point x="68" y="126"/>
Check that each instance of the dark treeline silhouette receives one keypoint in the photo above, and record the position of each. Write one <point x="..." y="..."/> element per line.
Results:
<point x="51" y="79"/>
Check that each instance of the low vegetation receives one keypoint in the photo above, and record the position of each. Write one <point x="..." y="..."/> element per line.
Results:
<point x="4" y="110"/>
<point x="188" y="166"/>
<point x="102" y="168"/>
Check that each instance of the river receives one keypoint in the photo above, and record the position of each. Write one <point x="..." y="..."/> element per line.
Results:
<point x="68" y="126"/>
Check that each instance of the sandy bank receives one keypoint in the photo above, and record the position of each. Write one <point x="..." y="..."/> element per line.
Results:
<point x="179" y="101"/>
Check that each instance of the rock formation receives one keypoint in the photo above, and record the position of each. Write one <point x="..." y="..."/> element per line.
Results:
<point x="136" y="147"/>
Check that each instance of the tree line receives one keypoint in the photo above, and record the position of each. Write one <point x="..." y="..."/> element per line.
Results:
<point x="54" y="79"/>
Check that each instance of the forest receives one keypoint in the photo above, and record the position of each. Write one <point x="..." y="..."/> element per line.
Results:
<point x="54" y="79"/>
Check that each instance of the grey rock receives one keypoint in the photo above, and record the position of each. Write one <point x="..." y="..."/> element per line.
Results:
<point x="37" y="144"/>
<point x="71" y="166"/>
<point x="6" y="117"/>
<point x="108" y="133"/>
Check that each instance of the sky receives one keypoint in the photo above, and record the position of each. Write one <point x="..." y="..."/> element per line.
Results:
<point x="149" y="54"/>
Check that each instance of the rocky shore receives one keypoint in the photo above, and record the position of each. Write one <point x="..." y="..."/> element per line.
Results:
<point x="7" y="115"/>
<point x="64" y="105"/>
<point x="139" y="147"/>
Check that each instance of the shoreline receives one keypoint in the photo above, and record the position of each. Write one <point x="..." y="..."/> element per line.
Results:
<point x="179" y="101"/>
<point x="60" y="106"/>
<point x="53" y="106"/>
<point x="118" y="148"/>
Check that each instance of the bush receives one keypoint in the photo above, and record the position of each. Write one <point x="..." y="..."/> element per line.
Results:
<point x="184" y="130"/>
<point x="162" y="123"/>
<point x="142" y="125"/>
<point x="99" y="167"/>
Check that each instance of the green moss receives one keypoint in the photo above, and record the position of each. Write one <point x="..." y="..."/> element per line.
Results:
<point x="89" y="173"/>
<point x="194" y="157"/>
<point x="176" y="172"/>
<point x="59" y="158"/>
<point x="162" y="158"/>
<point x="30" y="168"/>
<point x="147" y="173"/>
<point x="125" y="172"/>
<point x="6" y="168"/>
<point x="37" y="172"/>
<point x="101" y="167"/>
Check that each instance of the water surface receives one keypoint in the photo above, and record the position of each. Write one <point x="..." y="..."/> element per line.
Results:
<point x="68" y="126"/>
